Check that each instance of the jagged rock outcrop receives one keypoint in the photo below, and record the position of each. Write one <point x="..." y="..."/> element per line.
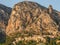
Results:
<point x="31" y="16"/>
<point x="33" y="19"/>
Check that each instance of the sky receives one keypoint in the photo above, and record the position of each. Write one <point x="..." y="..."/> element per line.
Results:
<point x="46" y="3"/>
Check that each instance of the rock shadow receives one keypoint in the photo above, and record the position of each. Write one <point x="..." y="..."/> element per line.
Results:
<point x="2" y="37"/>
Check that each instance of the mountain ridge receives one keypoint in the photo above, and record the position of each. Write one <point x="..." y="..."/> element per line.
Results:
<point x="31" y="21"/>
<point x="29" y="6"/>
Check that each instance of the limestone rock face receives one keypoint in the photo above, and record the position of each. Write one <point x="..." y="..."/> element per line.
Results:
<point x="31" y="16"/>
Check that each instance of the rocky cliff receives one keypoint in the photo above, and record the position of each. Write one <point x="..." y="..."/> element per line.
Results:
<point x="30" y="18"/>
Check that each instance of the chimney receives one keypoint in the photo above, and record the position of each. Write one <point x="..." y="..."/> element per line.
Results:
<point x="50" y="9"/>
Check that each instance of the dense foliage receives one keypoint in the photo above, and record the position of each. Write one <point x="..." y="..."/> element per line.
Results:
<point x="50" y="41"/>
